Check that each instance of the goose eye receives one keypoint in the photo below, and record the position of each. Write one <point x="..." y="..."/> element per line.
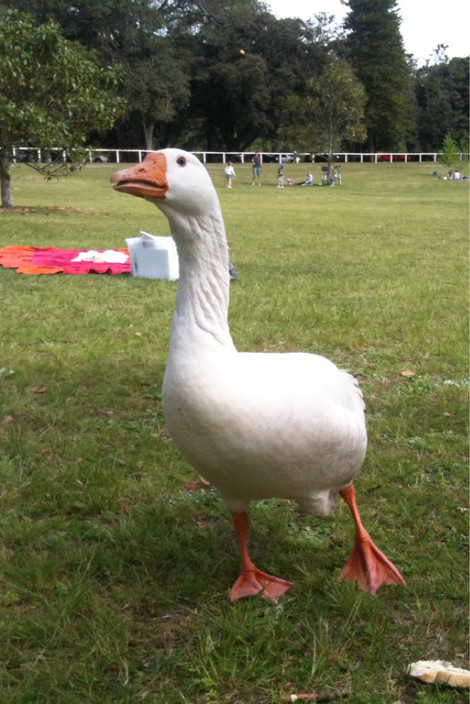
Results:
<point x="181" y="161"/>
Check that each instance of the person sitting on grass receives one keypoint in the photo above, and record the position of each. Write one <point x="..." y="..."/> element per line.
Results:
<point x="308" y="180"/>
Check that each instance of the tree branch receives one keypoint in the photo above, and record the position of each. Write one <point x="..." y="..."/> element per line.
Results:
<point x="323" y="696"/>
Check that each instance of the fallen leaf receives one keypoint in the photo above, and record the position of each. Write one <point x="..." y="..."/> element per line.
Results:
<point x="40" y="389"/>
<point x="408" y="372"/>
<point x="7" y="419"/>
<point x="446" y="415"/>
<point x="4" y="371"/>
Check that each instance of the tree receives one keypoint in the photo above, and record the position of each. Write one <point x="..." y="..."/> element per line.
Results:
<point x="374" y="47"/>
<point x="156" y="83"/>
<point x="450" y="155"/>
<point x="238" y="99"/>
<point x="52" y="93"/>
<point x="331" y="111"/>
<point x="442" y="97"/>
<point x="139" y="36"/>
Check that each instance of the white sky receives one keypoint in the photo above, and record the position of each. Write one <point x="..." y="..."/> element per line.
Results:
<point x="425" y="23"/>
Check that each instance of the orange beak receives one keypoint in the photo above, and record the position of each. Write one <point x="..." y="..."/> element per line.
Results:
<point x="146" y="180"/>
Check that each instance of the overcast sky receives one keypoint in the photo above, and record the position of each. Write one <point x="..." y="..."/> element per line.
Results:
<point x="425" y="23"/>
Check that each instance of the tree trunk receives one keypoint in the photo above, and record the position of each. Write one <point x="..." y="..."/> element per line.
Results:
<point x="371" y="146"/>
<point x="5" y="177"/>
<point x="149" y="127"/>
<point x="330" y="150"/>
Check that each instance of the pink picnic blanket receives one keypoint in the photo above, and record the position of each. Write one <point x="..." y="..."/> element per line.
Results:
<point x="50" y="260"/>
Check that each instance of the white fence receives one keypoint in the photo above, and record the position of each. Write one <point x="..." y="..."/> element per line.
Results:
<point x="118" y="156"/>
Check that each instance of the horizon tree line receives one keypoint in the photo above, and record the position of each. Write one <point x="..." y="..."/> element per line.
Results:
<point x="184" y="79"/>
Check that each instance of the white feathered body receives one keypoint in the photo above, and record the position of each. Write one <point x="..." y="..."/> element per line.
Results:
<point x="267" y="425"/>
<point x="255" y="425"/>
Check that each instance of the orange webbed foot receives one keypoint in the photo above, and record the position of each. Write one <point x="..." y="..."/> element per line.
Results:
<point x="367" y="564"/>
<point x="370" y="567"/>
<point x="254" y="582"/>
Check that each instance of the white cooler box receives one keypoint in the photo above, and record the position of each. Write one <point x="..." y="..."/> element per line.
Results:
<point x="153" y="257"/>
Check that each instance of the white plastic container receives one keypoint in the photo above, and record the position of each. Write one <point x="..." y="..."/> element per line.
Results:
<point x="153" y="257"/>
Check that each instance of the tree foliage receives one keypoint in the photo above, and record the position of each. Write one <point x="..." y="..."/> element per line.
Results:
<point x="332" y="110"/>
<point x="374" y="47"/>
<point x="238" y="96"/>
<point x="186" y="82"/>
<point x="52" y="91"/>
<point x="442" y="97"/>
<point x="449" y="155"/>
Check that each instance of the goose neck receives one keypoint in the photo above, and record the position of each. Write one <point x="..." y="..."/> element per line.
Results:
<point x="202" y="297"/>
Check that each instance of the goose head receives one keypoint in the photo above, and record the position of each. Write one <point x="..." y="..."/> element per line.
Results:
<point x="172" y="179"/>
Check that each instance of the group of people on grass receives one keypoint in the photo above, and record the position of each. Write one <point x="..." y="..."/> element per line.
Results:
<point x="454" y="175"/>
<point x="451" y="175"/>
<point x="257" y="170"/>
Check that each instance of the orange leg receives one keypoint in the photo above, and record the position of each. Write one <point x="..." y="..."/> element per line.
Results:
<point x="251" y="579"/>
<point x="367" y="564"/>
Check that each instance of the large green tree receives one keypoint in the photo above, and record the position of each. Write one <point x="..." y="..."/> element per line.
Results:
<point x="442" y="96"/>
<point x="52" y="92"/>
<point x="156" y="83"/>
<point x="239" y="98"/>
<point x="332" y="110"/>
<point x="374" y="47"/>
<point x="133" y="33"/>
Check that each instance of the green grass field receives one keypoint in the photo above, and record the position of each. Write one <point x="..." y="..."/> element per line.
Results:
<point x="115" y="564"/>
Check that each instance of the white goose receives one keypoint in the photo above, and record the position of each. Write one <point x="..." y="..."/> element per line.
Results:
<point x="255" y="425"/>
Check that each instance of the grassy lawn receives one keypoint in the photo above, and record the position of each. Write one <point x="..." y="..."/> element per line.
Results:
<point x="115" y="564"/>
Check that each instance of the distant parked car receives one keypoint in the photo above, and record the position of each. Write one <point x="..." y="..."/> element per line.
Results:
<point x="396" y="157"/>
<point x="285" y="158"/>
<point x="323" y="157"/>
<point x="24" y="156"/>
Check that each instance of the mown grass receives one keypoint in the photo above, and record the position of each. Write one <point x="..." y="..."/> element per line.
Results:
<point x="116" y="564"/>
